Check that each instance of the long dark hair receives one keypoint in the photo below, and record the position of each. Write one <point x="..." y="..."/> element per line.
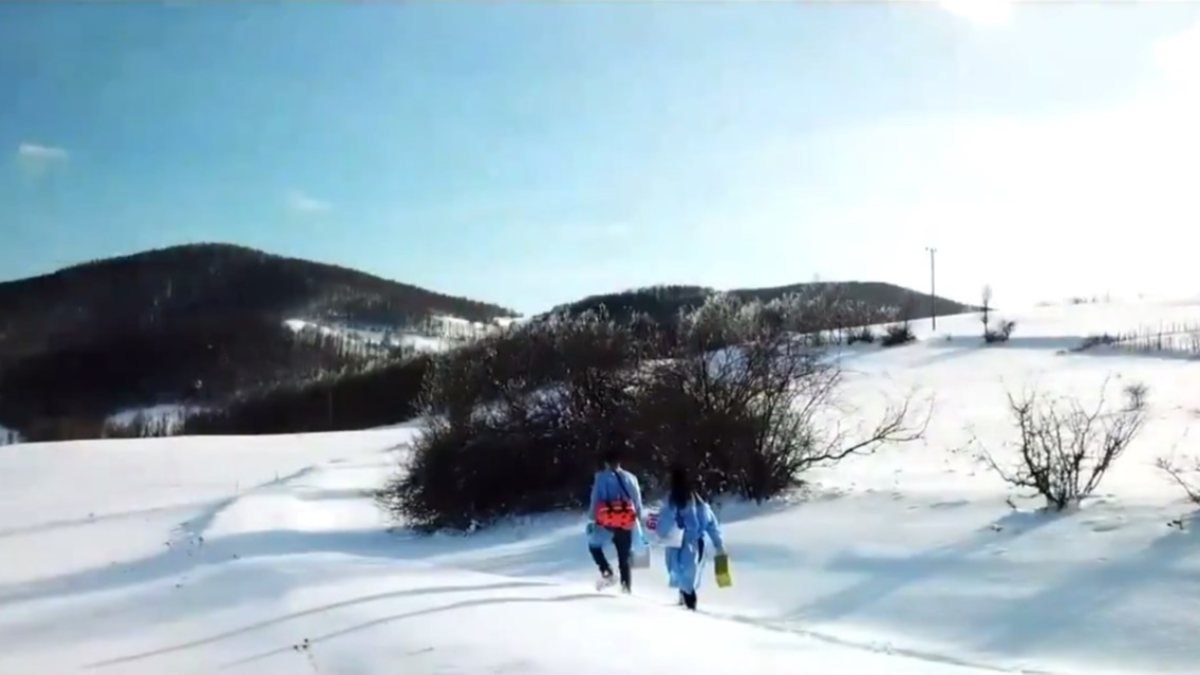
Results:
<point x="682" y="489"/>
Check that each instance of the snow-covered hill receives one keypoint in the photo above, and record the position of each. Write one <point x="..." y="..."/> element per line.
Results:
<point x="267" y="554"/>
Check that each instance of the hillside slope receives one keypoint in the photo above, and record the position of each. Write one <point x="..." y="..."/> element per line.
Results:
<point x="189" y="324"/>
<point x="267" y="555"/>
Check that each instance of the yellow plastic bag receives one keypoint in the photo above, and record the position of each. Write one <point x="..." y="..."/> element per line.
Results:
<point x="721" y="568"/>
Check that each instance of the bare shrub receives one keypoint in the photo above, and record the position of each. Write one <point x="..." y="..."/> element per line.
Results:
<point x="748" y="418"/>
<point x="1000" y="334"/>
<point x="1065" y="450"/>
<point x="1186" y="476"/>
<point x="897" y="334"/>
<point x="864" y="334"/>
<point x="1097" y="340"/>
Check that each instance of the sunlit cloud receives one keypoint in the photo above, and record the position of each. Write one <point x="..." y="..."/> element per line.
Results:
<point x="37" y="162"/>
<point x="36" y="152"/>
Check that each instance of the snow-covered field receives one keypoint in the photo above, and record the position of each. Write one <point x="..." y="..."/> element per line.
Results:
<point x="443" y="334"/>
<point x="267" y="555"/>
<point x="166" y="418"/>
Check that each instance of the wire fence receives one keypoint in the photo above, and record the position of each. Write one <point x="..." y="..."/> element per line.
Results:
<point x="1179" y="339"/>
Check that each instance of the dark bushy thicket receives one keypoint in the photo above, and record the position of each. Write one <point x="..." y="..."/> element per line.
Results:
<point x="388" y="395"/>
<point x="517" y="422"/>
<point x="68" y="392"/>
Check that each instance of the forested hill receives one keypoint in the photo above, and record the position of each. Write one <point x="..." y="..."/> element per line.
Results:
<point x="188" y="324"/>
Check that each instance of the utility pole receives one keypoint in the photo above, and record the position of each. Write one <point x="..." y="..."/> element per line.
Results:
<point x="932" y="287"/>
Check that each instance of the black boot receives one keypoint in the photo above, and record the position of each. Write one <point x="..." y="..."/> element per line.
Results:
<point x="689" y="600"/>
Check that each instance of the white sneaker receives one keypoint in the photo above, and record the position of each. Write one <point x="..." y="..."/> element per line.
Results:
<point x="605" y="581"/>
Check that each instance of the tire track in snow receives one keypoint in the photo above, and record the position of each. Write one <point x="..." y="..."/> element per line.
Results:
<point x="482" y="602"/>
<point x="881" y="648"/>
<point x="404" y="593"/>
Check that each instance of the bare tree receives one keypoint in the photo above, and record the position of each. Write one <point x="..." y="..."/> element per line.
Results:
<point x="1005" y="329"/>
<point x="1065" y="449"/>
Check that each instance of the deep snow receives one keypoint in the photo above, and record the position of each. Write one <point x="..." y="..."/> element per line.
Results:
<point x="192" y="555"/>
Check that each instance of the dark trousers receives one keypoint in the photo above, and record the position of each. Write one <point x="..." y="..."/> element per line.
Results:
<point x="623" y="540"/>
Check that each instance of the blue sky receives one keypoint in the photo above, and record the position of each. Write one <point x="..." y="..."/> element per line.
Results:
<point x="533" y="153"/>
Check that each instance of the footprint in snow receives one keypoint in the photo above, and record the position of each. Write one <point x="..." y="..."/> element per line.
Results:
<point x="1101" y="526"/>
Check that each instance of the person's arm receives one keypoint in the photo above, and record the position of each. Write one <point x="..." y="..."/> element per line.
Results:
<point x="637" y="497"/>
<point x="666" y="520"/>
<point x="713" y="528"/>
<point x="595" y="502"/>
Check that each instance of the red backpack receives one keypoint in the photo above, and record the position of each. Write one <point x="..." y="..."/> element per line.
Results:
<point x="617" y="514"/>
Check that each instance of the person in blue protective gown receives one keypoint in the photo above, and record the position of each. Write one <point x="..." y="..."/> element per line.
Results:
<point x="684" y="521"/>
<point x="615" y="517"/>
